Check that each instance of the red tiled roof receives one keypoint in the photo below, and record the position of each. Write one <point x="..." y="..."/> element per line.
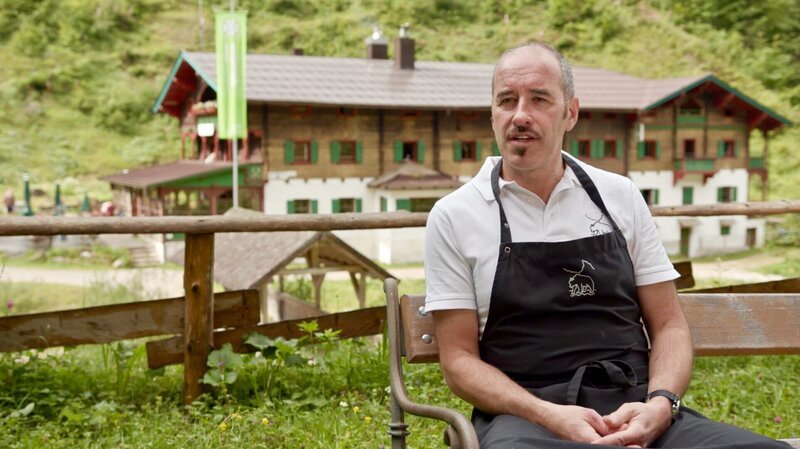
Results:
<point x="158" y="174"/>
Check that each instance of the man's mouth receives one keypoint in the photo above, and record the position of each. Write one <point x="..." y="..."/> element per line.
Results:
<point x="522" y="138"/>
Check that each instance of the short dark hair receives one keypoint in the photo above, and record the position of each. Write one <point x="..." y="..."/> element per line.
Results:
<point x="567" y="78"/>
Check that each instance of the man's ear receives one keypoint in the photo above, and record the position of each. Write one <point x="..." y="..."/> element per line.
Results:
<point x="573" y="106"/>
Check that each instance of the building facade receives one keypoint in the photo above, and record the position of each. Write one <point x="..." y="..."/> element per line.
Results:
<point x="336" y="135"/>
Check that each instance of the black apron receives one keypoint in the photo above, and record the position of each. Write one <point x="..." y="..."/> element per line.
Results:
<point x="564" y="319"/>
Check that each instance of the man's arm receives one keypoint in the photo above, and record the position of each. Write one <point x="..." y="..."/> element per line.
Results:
<point x="670" y="368"/>
<point x="488" y="389"/>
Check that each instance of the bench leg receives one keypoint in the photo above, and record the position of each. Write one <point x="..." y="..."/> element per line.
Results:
<point x="397" y="427"/>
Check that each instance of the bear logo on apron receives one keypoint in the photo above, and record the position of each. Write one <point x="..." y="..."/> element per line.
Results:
<point x="581" y="284"/>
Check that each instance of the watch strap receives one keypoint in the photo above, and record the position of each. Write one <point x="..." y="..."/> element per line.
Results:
<point x="674" y="398"/>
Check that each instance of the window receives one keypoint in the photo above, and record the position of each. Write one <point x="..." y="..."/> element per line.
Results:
<point x="726" y="194"/>
<point x="347" y="112"/>
<point x="466" y="151"/>
<point x="690" y="108"/>
<point x="688" y="195"/>
<point x="301" y="207"/>
<point x="650" y="196"/>
<point x="346" y="205"/>
<point x="584" y="115"/>
<point x="648" y="149"/>
<point x="612" y="148"/>
<point x="409" y="151"/>
<point x="468" y="115"/>
<point x="300" y="152"/>
<point x="689" y="149"/>
<point x="585" y="148"/>
<point x="726" y="148"/>
<point x="724" y="230"/>
<point x="346" y="152"/>
<point x="416" y="204"/>
<point x="384" y="204"/>
<point x="610" y="115"/>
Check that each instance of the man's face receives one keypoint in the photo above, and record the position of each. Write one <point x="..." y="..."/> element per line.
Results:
<point x="529" y="111"/>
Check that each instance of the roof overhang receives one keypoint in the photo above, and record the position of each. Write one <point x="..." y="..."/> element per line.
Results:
<point x="769" y="118"/>
<point x="179" y="83"/>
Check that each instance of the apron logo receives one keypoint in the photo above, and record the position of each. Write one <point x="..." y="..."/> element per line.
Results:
<point x="581" y="284"/>
<point x="598" y="227"/>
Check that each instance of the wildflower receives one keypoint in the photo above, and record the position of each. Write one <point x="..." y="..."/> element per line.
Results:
<point x="343" y="404"/>
<point x="223" y="427"/>
<point x="236" y="416"/>
<point x="220" y="364"/>
<point x="367" y="418"/>
<point x="10" y="304"/>
<point x="356" y="409"/>
<point x="778" y="420"/>
<point x="265" y="421"/>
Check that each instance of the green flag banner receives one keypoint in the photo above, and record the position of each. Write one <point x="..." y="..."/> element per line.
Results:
<point x="231" y="46"/>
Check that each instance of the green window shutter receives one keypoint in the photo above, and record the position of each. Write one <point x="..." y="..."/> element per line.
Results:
<point x="719" y="194"/>
<point x="313" y="206"/>
<point x="736" y="149"/>
<point x="403" y="204"/>
<point x="457" y="150"/>
<point x="658" y="150"/>
<point x="288" y="151"/>
<point x="420" y="152"/>
<point x="573" y="148"/>
<point x="640" y="150"/>
<point x="733" y="194"/>
<point x="620" y="148"/>
<point x="688" y="195"/>
<point x="336" y="149"/>
<point x="478" y="150"/>
<point x="359" y="152"/>
<point x="358" y="204"/>
<point x="495" y="148"/>
<point x="599" y="150"/>
<point x="655" y="196"/>
<point x="721" y="149"/>
<point x="336" y="206"/>
<point x="314" y="151"/>
<point x="384" y="204"/>
<point x="290" y="207"/>
<point x="398" y="151"/>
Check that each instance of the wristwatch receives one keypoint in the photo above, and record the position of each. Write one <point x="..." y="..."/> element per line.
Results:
<point x="674" y="398"/>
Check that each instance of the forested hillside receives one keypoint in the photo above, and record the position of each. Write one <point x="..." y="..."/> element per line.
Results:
<point x="78" y="77"/>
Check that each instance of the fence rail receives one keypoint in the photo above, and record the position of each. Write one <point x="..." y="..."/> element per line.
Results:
<point x="317" y="222"/>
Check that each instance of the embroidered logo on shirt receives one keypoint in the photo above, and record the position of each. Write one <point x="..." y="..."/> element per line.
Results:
<point x="598" y="227"/>
<point x="581" y="284"/>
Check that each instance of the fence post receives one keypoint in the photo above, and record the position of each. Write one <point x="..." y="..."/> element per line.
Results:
<point x="198" y="285"/>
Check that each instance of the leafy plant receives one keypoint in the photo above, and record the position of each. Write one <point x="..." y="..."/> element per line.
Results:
<point x="223" y="363"/>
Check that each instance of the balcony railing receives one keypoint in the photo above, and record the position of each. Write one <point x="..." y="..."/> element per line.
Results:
<point x="695" y="165"/>
<point x="756" y="163"/>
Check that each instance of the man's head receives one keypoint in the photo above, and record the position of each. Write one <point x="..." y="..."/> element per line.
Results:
<point x="533" y="105"/>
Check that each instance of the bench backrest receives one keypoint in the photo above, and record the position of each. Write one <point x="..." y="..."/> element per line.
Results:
<point x="721" y="324"/>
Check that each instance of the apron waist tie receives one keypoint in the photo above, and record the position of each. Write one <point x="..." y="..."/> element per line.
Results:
<point x="619" y="373"/>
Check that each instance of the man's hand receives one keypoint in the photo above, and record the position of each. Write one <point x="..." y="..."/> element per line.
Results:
<point x="571" y="422"/>
<point x="637" y="424"/>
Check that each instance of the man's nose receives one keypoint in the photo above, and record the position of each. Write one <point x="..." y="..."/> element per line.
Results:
<point x="522" y="115"/>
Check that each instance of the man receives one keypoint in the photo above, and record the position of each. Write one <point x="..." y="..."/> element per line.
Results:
<point x="543" y="333"/>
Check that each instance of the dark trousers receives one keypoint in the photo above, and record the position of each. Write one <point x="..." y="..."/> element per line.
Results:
<point x="690" y="430"/>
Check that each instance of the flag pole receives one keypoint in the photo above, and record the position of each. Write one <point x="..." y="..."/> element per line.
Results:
<point x="235" y="180"/>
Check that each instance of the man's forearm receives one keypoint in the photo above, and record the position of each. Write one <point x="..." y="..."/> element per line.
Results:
<point x="671" y="360"/>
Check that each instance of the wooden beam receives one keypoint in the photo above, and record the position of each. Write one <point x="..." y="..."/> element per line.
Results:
<point x="320" y="270"/>
<point x="198" y="336"/>
<point x="42" y="225"/>
<point x="356" y="323"/>
<point x="724" y="101"/>
<point x="106" y="324"/>
<point x="686" y="280"/>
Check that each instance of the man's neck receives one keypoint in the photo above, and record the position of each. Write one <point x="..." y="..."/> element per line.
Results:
<point x="540" y="182"/>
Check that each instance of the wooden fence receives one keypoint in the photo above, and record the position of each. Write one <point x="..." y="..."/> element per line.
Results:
<point x="200" y="312"/>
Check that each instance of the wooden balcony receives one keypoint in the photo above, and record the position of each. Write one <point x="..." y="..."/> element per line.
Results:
<point x="705" y="167"/>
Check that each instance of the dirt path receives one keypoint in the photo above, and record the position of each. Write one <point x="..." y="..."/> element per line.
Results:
<point x="743" y="269"/>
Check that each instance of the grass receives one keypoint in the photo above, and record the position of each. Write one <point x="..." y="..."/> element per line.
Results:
<point x="32" y="297"/>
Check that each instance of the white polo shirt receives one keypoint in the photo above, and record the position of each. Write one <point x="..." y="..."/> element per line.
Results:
<point x="462" y="237"/>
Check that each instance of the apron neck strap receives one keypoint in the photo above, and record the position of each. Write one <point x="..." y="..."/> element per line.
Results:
<point x="583" y="178"/>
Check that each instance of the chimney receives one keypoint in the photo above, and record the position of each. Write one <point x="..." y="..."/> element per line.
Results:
<point x="297" y="51"/>
<point x="404" y="50"/>
<point x="377" y="45"/>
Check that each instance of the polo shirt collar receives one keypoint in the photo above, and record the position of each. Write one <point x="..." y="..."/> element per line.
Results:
<point x="483" y="180"/>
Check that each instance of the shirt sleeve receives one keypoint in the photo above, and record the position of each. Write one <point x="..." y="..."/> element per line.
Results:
<point x="448" y="275"/>
<point x="651" y="264"/>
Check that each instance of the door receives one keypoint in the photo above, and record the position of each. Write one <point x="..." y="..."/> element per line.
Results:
<point x="686" y="234"/>
<point x="751" y="237"/>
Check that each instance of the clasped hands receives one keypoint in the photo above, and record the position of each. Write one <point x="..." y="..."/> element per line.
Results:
<point x="634" y="424"/>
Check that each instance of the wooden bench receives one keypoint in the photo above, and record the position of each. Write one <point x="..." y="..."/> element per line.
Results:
<point x="721" y="324"/>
